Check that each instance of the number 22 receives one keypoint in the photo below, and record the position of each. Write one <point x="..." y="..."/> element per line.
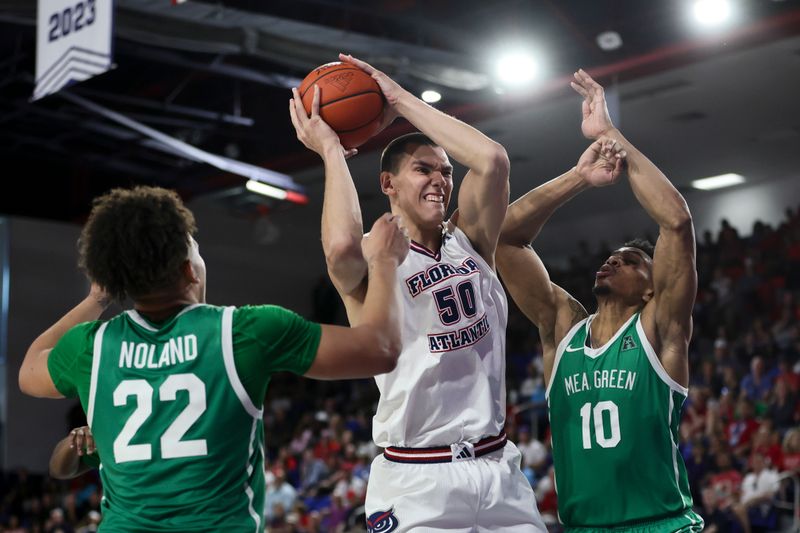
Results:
<point x="171" y="444"/>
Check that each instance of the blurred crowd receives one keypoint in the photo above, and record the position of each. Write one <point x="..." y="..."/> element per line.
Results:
<point x="740" y="432"/>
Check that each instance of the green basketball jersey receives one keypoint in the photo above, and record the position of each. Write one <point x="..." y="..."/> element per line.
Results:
<point x="180" y="439"/>
<point x="614" y="416"/>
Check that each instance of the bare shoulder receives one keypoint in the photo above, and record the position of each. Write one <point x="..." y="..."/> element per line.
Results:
<point x="569" y="312"/>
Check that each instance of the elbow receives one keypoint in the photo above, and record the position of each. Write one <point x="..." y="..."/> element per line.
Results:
<point x="25" y="385"/>
<point x="512" y="235"/>
<point x="492" y="162"/>
<point x="339" y="251"/>
<point x="680" y="221"/>
<point x="388" y="353"/>
<point x="390" y="356"/>
<point x="498" y="164"/>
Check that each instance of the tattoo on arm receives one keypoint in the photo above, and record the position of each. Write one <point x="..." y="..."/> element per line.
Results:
<point x="578" y="313"/>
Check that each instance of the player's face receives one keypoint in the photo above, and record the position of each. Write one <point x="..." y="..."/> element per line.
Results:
<point x="422" y="186"/>
<point x="626" y="273"/>
<point x="199" y="267"/>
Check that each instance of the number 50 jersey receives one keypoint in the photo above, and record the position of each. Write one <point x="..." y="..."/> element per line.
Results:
<point x="449" y="383"/>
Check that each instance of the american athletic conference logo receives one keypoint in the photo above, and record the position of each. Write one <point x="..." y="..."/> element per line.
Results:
<point x="382" y="522"/>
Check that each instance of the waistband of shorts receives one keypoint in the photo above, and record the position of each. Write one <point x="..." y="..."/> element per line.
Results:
<point x="445" y="454"/>
<point x="644" y="523"/>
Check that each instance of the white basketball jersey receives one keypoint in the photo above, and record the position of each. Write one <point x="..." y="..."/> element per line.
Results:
<point x="449" y="383"/>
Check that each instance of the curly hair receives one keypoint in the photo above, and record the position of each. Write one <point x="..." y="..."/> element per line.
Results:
<point x="135" y="241"/>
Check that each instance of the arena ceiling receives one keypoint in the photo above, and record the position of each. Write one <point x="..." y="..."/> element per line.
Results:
<point x="217" y="75"/>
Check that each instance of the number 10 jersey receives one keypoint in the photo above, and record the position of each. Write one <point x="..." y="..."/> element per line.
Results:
<point x="614" y="417"/>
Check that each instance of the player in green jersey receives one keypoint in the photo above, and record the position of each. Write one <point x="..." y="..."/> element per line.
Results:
<point x="616" y="380"/>
<point x="173" y="389"/>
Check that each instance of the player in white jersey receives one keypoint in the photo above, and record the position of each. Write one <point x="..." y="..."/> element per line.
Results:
<point x="447" y="465"/>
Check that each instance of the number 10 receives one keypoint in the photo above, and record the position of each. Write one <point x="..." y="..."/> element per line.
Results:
<point x="599" y="429"/>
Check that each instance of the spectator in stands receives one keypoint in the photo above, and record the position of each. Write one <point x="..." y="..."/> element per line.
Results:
<point x="280" y="496"/>
<point x="720" y="494"/>
<point x="759" y="488"/>
<point x="740" y="431"/>
<point x="783" y="409"/>
<point x="791" y="450"/>
<point x="757" y="384"/>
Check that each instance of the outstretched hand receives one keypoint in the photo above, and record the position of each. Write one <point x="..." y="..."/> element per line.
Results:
<point x="601" y="164"/>
<point x="596" y="120"/>
<point x="390" y="88"/>
<point x="311" y="130"/>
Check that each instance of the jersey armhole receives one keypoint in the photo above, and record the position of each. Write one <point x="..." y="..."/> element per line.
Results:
<point x="655" y="362"/>
<point x="97" y="351"/>
<point x="560" y="351"/>
<point x="462" y="238"/>
<point x="230" y="364"/>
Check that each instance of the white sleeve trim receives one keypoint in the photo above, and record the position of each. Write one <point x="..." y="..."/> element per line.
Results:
<point x="97" y="350"/>
<point x="560" y="351"/>
<point x="655" y="362"/>
<point x="230" y="366"/>
<point x="464" y="241"/>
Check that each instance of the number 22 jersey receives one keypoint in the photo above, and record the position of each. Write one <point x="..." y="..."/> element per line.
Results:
<point x="176" y="410"/>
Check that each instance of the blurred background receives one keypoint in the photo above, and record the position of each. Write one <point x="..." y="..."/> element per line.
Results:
<point x="705" y="88"/>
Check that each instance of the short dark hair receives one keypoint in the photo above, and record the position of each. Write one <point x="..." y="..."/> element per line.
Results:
<point x="394" y="151"/>
<point x="136" y="240"/>
<point x="642" y="244"/>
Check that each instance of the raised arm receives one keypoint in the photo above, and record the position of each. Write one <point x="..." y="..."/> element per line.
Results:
<point x="547" y="305"/>
<point x="342" y="228"/>
<point x="34" y="377"/>
<point x="373" y="345"/>
<point x="668" y="316"/>
<point x="483" y="195"/>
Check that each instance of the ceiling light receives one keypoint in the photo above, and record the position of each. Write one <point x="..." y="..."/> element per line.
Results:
<point x="718" y="182"/>
<point x="711" y="12"/>
<point x="609" y="40"/>
<point x="431" y="96"/>
<point x="274" y="192"/>
<point x="517" y="68"/>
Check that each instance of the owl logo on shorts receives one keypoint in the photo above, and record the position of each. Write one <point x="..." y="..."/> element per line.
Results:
<point x="382" y="522"/>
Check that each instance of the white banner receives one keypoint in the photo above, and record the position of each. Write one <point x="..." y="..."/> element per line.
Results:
<point x="73" y="42"/>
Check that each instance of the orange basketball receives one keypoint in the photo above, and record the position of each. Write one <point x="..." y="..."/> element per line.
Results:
<point x="350" y="101"/>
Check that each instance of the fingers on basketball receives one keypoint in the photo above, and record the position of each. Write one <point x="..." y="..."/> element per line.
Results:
<point x="349" y="101"/>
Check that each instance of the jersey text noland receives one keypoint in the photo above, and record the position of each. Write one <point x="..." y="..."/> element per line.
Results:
<point x="145" y="355"/>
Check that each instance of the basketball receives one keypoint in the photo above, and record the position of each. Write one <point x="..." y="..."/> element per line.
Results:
<point x="350" y="101"/>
